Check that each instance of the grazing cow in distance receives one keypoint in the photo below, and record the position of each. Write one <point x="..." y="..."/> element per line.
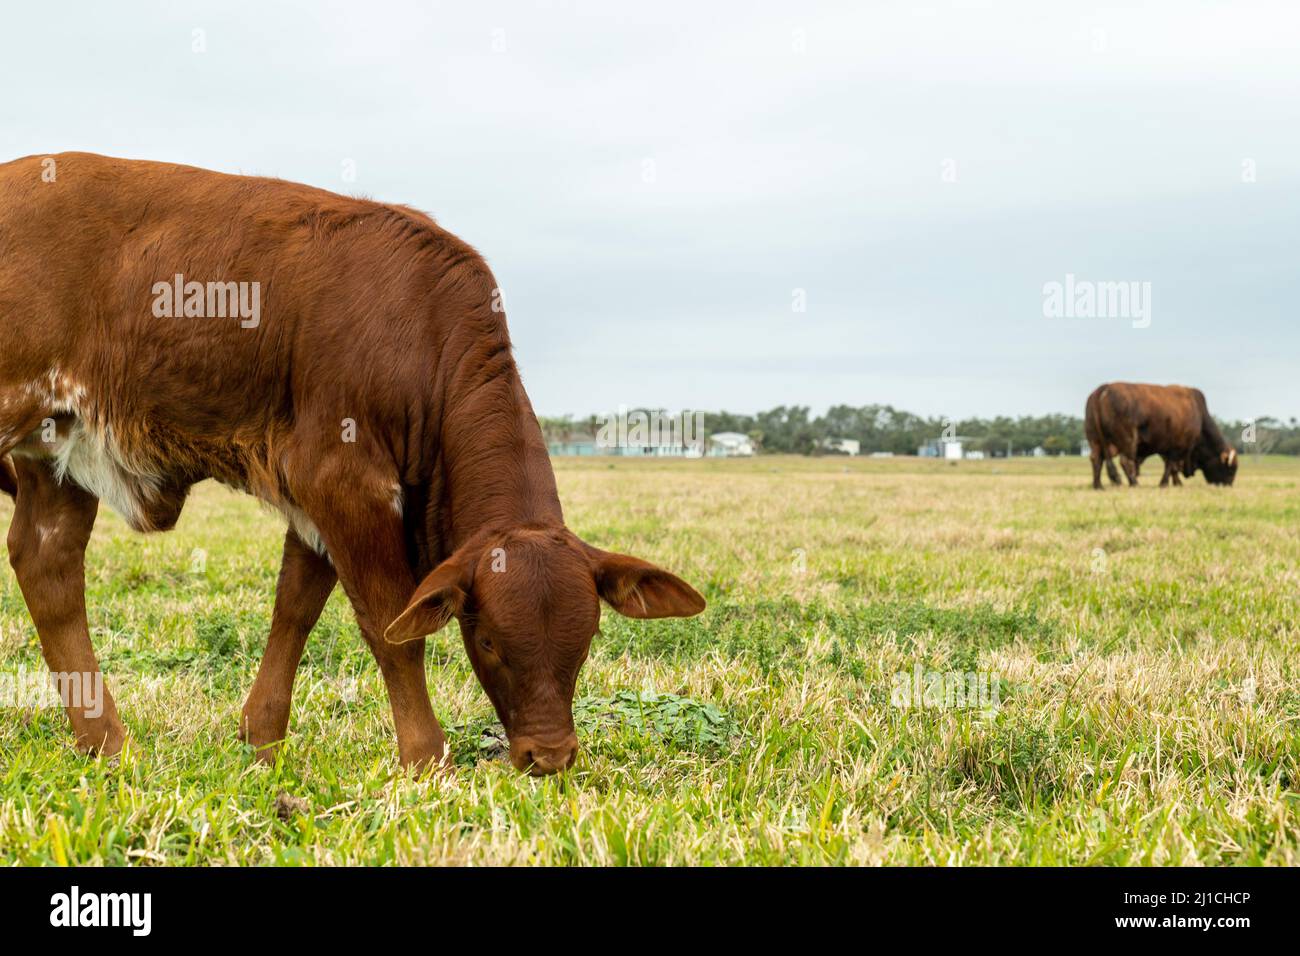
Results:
<point x="1136" y="421"/>
<point x="345" y="361"/>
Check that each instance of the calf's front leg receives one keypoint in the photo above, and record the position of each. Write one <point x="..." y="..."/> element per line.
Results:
<point x="306" y="580"/>
<point x="366" y="541"/>
<point x="1173" y="471"/>
<point x="1131" y="468"/>
<point x="47" y="549"/>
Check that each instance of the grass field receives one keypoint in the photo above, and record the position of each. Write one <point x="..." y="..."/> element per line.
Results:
<point x="1138" y="653"/>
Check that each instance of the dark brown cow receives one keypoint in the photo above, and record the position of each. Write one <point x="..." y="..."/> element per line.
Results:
<point x="345" y="361"/>
<point x="1137" y="421"/>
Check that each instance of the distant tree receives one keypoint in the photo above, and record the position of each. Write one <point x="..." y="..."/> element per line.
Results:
<point x="792" y="429"/>
<point x="994" y="443"/>
<point x="556" y="429"/>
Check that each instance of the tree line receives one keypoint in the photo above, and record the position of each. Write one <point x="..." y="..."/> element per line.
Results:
<point x="793" y="429"/>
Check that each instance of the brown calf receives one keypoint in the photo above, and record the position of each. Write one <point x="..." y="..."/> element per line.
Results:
<point x="346" y="362"/>
<point x="1137" y="421"/>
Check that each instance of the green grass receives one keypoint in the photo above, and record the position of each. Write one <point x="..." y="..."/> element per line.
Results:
<point x="1143" y="647"/>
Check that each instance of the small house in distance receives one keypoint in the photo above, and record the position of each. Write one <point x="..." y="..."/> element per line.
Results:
<point x="675" y="450"/>
<point x="947" y="448"/>
<point x="842" y="446"/>
<point x="730" y="445"/>
<point x="582" y="444"/>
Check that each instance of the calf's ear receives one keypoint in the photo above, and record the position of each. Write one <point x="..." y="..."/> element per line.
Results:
<point x="637" y="588"/>
<point x="437" y="598"/>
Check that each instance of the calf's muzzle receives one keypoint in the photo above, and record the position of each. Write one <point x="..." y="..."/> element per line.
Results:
<point x="539" y="756"/>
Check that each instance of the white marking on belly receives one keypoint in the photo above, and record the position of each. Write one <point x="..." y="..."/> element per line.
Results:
<point x="303" y="528"/>
<point x="85" y="455"/>
<point x="93" y="461"/>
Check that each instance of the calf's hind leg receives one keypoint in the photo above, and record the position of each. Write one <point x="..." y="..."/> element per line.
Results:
<point x="47" y="549"/>
<point x="306" y="580"/>
<point x="1095" y="453"/>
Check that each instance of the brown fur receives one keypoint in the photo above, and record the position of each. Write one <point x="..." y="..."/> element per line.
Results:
<point x="443" y="504"/>
<point x="1137" y="421"/>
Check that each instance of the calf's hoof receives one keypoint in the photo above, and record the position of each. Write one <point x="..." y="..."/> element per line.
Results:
<point x="430" y="758"/>
<point x="101" y="738"/>
<point x="265" y="740"/>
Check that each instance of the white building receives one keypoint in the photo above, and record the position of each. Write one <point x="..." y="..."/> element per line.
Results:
<point x="845" y="446"/>
<point x="949" y="449"/>
<point x="730" y="445"/>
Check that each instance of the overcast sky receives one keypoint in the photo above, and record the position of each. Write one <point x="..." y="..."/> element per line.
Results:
<point x="654" y="183"/>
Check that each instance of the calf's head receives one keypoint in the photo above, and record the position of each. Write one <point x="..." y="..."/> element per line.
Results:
<point x="528" y="603"/>
<point x="1220" y="467"/>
